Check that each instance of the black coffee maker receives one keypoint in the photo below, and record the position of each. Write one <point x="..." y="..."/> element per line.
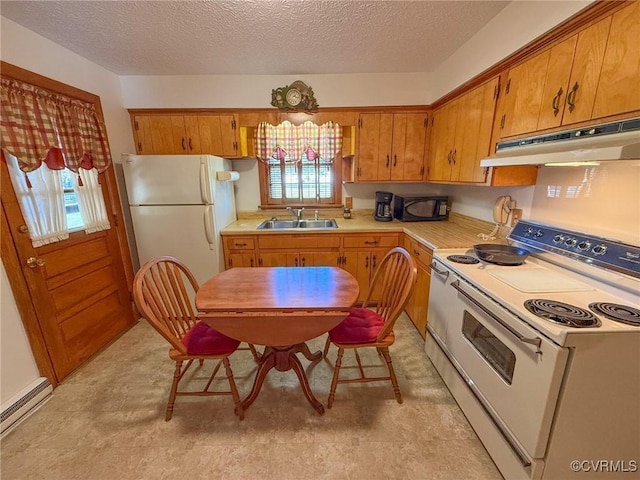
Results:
<point x="382" y="213"/>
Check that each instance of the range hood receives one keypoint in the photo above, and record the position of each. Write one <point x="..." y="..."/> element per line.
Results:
<point x="610" y="141"/>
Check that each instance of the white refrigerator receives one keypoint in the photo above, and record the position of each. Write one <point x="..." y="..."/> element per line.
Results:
<point x="178" y="207"/>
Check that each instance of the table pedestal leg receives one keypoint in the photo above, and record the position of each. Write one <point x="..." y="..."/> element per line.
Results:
<point x="284" y="359"/>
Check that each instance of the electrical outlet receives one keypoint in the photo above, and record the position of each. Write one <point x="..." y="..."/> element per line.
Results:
<point x="516" y="214"/>
<point x="348" y="202"/>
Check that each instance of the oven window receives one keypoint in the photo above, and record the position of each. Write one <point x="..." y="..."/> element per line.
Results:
<point x="490" y="347"/>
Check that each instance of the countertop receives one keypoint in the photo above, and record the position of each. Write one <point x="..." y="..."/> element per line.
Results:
<point x="459" y="231"/>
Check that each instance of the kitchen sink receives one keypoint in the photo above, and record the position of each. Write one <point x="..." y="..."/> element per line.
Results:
<point x="288" y="224"/>
<point x="323" y="223"/>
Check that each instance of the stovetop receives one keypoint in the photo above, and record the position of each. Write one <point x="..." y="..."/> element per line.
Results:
<point x="566" y="286"/>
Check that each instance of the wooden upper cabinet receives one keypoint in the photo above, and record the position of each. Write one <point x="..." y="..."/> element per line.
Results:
<point x="590" y="75"/>
<point x="619" y="86"/>
<point x="391" y="146"/>
<point x="461" y="136"/>
<point x="186" y="134"/>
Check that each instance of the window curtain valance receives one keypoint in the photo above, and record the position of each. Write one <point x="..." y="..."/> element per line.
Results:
<point x="39" y="126"/>
<point x="288" y="143"/>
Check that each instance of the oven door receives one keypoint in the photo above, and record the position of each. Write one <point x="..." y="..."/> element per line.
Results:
<point x="515" y="369"/>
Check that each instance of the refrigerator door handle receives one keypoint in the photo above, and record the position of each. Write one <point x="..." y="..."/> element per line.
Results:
<point x="208" y="227"/>
<point x="205" y="182"/>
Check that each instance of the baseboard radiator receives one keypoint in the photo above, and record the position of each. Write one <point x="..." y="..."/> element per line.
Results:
<point x="24" y="402"/>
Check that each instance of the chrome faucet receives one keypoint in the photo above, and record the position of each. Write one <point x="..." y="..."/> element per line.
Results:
<point x="297" y="212"/>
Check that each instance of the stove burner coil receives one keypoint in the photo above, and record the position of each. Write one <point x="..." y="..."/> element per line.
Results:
<point x="467" y="259"/>
<point x="562" y="313"/>
<point x="617" y="312"/>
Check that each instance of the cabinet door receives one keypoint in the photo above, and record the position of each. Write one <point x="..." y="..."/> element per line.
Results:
<point x="619" y="86"/>
<point x="442" y="138"/>
<point x="523" y="95"/>
<point x="374" y="146"/>
<point x="585" y="72"/>
<point x="229" y="137"/>
<point x="358" y="264"/>
<point x="142" y="134"/>
<point x="556" y="84"/>
<point x="319" y="259"/>
<point x="409" y="136"/>
<point x="167" y="134"/>
<point x="474" y="124"/>
<point x="241" y="260"/>
<point x="278" y="259"/>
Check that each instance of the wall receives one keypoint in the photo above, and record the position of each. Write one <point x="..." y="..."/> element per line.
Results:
<point x="17" y="364"/>
<point x="26" y="49"/>
<point x="516" y="25"/>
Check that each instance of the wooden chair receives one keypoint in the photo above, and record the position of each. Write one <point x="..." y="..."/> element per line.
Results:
<point x="163" y="290"/>
<point x="394" y="279"/>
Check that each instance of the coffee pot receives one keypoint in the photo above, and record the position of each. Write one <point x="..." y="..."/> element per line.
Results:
<point x="382" y="212"/>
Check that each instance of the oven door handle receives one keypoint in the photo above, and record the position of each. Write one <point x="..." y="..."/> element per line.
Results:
<point x="438" y="271"/>
<point x="537" y="341"/>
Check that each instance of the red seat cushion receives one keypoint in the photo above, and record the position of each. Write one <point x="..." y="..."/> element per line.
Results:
<point x="361" y="326"/>
<point x="201" y="339"/>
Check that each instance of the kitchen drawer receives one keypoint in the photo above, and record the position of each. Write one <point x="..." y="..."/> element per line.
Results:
<point x="370" y="241"/>
<point x="421" y="254"/>
<point x="239" y="243"/>
<point x="297" y="242"/>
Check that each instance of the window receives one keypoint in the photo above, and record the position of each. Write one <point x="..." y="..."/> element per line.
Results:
<point x="299" y="165"/>
<point x="71" y="207"/>
<point x="308" y="182"/>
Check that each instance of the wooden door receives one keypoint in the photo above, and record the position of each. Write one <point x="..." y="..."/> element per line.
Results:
<point x="142" y="133"/>
<point x="78" y="287"/>
<point x="229" y="138"/>
<point x="556" y="84"/>
<point x="278" y="259"/>
<point x="167" y="134"/>
<point x="474" y="126"/>
<point x="585" y="72"/>
<point x="319" y="259"/>
<point x="523" y="95"/>
<point x="374" y="146"/>
<point x="241" y="260"/>
<point x="619" y="86"/>
<point x="357" y="263"/>
<point x="442" y="138"/>
<point x="409" y="136"/>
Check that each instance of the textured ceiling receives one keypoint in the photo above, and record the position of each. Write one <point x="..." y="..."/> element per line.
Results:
<point x="274" y="37"/>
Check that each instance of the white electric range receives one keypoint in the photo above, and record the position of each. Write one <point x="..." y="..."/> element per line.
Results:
<point x="544" y="357"/>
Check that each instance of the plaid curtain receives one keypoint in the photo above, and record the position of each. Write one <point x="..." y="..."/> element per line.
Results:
<point x="287" y="142"/>
<point x="38" y="126"/>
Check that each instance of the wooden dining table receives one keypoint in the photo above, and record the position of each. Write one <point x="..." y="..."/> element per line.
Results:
<point x="280" y="308"/>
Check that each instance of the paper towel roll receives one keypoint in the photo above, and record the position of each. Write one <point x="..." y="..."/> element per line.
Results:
<point x="227" y="176"/>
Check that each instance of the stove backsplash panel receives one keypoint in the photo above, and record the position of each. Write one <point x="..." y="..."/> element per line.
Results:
<point x="602" y="199"/>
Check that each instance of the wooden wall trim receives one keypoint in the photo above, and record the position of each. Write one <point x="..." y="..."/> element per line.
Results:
<point x="592" y="13"/>
<point x="213" y="111"/>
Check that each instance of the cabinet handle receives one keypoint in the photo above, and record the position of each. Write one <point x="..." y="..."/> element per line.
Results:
<point x="395" y="159"/>
<point x="373" y="262"/>
<point x="296" y="262"/>
<point x="366" y="261"/>
<point x="183" y="144"/>
<point x="387" y="165"/>
<point x="508" y="87"/>
<point x="449" y="157"/>
<point x="504" y="116"/>
<point x="416" y="252"/>
<point x="455" y="153"/>
<point x="303" y="261"/>
<point x="572" y="96"/>
<point x="339" y="260"/>
<point x="190" y="146"/>
<point x="371" y="242"/>
<point x="237" y="244"/>
<point x="344" y="260"/>
<point x="260" y="262"/>
<point x="230" y="263"/>
<point x="251" y="262"/>
<point x="556" y="101"/>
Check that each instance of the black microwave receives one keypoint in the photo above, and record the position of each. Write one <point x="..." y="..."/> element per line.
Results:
<point x="420" y="208"/>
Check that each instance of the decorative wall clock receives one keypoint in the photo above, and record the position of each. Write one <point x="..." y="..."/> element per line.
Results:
<point x="297" y="97"/>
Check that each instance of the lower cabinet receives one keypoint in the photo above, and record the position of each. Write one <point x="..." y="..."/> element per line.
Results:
<point x="357" y="253"/>
<point x="418" y="304"/>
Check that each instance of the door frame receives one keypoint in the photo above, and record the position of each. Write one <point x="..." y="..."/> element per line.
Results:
<point x="9" y="251"/>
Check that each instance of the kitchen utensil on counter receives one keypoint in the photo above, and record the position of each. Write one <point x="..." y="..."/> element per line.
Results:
<point x="382" y="211"/>
<point x="501" y="254"/>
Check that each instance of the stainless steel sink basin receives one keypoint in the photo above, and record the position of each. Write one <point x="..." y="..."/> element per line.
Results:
<point x="322" y="223"/>
<point x="304" y="223"/>
<point x="277" y="224"/>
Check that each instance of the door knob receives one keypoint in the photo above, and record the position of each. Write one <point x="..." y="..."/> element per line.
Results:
<point x="33" y="262"/>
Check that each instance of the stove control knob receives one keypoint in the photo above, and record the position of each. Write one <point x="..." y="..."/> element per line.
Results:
<point x="528" y="231"/>
<point x="600" y="249"/>
<point x="558" y="239"/>
<point x="570" y="242"/>
<point x="539" y="233"/>
<point x="584" y="245"/>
